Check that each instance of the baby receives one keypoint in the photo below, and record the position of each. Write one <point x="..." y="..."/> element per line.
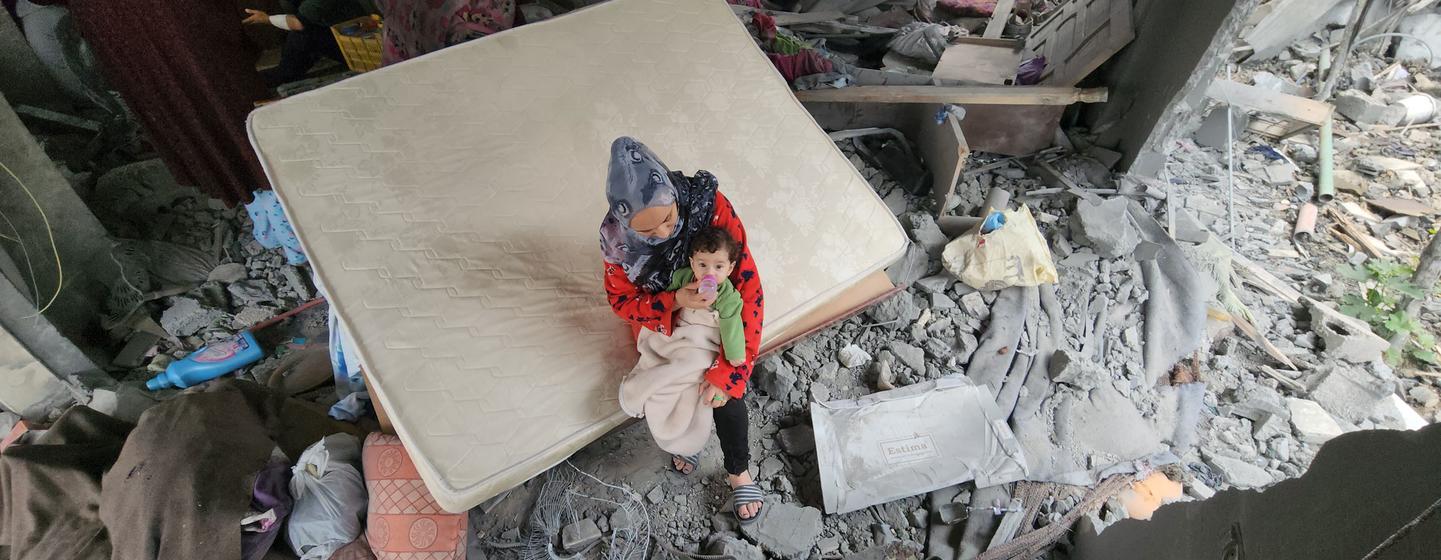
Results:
<point x="667" y="385"/>
<point x="713" y="255"/>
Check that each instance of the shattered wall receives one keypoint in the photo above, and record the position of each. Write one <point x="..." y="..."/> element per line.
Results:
<point x="1362" y="488"/>
<point x="1159" y="80"/>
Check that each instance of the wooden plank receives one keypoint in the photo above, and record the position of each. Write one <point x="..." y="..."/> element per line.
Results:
<point x="980" y="61"/>
<point x="1012" y="130"/>
<point x="943" y="147"/>
<point x="999" y="17"/>
<point x="1262" y="278"/>
<point x="1250" y="331"/>
<point x="1079" y="36"/>
<point x="1263" y="100"/>
<point x="961" y="95"/>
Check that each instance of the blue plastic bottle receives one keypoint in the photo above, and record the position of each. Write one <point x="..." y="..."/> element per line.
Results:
<point x="209" y="362"/>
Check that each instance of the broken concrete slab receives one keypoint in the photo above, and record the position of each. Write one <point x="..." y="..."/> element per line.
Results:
<point x="1105" y="227"/>
<point x="927" y="234"/>
<point x="1345" y="337"/>
<point x="915" y="264"/>
<point x="774" y="377"/>
<point x="250" y="292"/>
<point x="910" y="356"/>
<point x="1349" y="181"/>
<point x="1394" y="413"/>
<point x="1238" y="473"/>
<point x="186" y="317"/>
<point x="1365" y="109"/>
<point x="974" y="304"/>
<point x="787" y="531"/>
<point x="936" y="283"/>
<point x="1071" y="368"/>
<point x="1349" y="392"/>
<point x="895" y="312"/>
<point x="728" y="546"/>
<point x="580" y="535"/>
<point x="1311" y="422"/>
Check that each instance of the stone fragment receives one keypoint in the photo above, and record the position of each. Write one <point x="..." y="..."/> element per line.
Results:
<point x="1394" y="413"/>
<point x="936" y="284"/>
<point x="1075" y="370"/>
<point x="1351" y="393"/>
<point x="897" y="311"/>
<point x="227" y="273"/>
<point x="927" y="234"/>
<point x="579" y="535"/>
<point x="1239" y="473"/>
<point x="1311" y="422"/>
<point x="1348" y="181"/>
<point x="655" y="496"/>
<point x="1424" y="396"/>
<point x="966" y="345"/>
<point x="911" y="356"/>
<point x="1345" y="337"/>
<point x="974" y="304"/>
<point x="775" y="377"/>
<point x="736" y="549"/>
<point x="104" y="401"/>
<point x="187" y="317"/>
<point x="938" y="348"/>
<point x="798" y="440"/>
<point x="296" y="282"/>
<point x="1281" y="173"/>
<point x="939" y="300"/>
<point x="250" y="292"/>
<point x="852" y="356"/>
<point x="1365" y="109"/>
<point x="251" y="315"/>
<point x="787" y="531"/>
<point x="1105" y="227"/>
<point x="915" y="264"/>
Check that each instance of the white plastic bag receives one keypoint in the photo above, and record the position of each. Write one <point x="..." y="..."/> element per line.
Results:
<point x="330" y="497"/>
<point x="1014" y="254"/>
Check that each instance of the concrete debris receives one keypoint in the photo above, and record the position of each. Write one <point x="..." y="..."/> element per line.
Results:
<point x="1352" y="393"/>
<point x="1427" y="397"/>
<point x="1311" y="422"/>
<point x="1348" y="181"/>
<point x="580" y="535"/>
<point x="895" y="312"/>
<point x="915" y="264"/>
<point x="1105" y="227"/>
<point x="798" y="440"/>
<point x="910" y="356"/>
<point x="1077" y="371"/>
<point x="1345" y="337"/>
<point x="853" y="357"/>
<point x="186" y="317"/>
<point x="734" y="548"/>
<point x="787" y="531"/>
<point x="775" y="377"/>
<point x="927" y="234"/>
<point x="974" y="304"/>
<point x="250" y="292"/>
<point x="1240" y="474"/>
<point x="936" y="284"/>
<point x="1393" y="413"/>
<point x="1365" y="109"/>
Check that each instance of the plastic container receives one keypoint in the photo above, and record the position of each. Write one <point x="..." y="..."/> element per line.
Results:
<point x="359" y="42"/>
<point x="708" y="286"/>
<point x="209" y="362"/>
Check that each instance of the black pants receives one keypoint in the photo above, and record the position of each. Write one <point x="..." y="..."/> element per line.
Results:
<point x="301" y="51"/>
<point x="733" y="428"/>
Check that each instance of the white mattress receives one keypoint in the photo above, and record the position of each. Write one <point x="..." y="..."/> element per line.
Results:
<point x="450" y="207"/>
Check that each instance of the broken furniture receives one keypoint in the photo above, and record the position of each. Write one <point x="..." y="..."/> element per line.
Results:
<point x="456" y="240"/>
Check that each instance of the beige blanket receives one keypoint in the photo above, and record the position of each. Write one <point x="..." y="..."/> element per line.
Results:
<point x="665" y="386"/>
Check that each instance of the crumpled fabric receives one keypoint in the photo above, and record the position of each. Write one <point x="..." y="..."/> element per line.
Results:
<point x="1029" y="73"/>
<point x="925" y="41"/>
<point x="971" y="8"/>
<point x="272" y="228"/>
<point x="804" y="63"/>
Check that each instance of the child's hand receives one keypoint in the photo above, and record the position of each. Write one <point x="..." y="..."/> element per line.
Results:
<point x="713" y="396"/>
<point x="737" y="363"/>
<point x="688" y="296"/>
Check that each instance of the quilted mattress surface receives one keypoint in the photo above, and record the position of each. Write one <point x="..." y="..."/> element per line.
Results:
<point x="450" y="207"/>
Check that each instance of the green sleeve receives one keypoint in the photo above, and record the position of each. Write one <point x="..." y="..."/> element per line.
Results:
<point x="728" y="306"/>
<point x="680" y="278"/>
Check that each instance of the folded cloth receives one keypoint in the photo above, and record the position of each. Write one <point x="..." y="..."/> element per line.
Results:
<point x="272" y="228"/>
<point x="665" y="385"/>
<point x="804" y="63"/>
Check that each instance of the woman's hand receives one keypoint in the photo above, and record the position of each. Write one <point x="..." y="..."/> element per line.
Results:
<point x="689" y="297"/>
<point x="713" y="396"/>
<point x="256" y="17"/>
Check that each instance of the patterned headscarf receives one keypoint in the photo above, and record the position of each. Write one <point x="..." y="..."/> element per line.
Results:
<point x="638" y="180"/>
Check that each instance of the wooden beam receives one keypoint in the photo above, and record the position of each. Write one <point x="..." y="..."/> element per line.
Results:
<point x="999" y="17"/>
<point x="975" y="95"/>
<point x="944" y="148"/>
<point x="1264" y="100"/>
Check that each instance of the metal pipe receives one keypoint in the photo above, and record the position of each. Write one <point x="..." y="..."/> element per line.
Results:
<point x="997" y="199"/>
<point x="954" y="226"/>
<point x="1305" y="223"/>
<point x="1325" y="187"/>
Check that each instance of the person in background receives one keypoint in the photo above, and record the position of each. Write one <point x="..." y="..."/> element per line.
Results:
<point x="416" y="27"/>
<point x="307" y="37"/>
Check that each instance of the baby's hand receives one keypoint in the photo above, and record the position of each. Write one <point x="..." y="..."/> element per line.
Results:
<point x="737" y="363"/>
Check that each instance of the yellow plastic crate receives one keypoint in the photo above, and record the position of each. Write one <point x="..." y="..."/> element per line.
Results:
<point x="359" y="41"/>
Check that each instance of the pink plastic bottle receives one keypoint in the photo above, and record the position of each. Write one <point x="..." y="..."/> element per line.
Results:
<point x="709" y="286"/>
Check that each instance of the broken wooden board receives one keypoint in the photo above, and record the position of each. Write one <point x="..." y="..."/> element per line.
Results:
<point x="1013" y="130"/>
<point x="959" y="95"/>
<point x="1263" y="100"/>
<point x="999" y="17"/>
<point x="1287" y="21"/>
<point x="1079" y="36"/>
<point x="1402" y="206"/>
<point x="942" y="146"/>
<point x="980" y="61"/>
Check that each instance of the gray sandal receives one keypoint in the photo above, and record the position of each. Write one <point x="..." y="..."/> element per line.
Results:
<point x="693" y="462"/>
<point x="747" y="494"/>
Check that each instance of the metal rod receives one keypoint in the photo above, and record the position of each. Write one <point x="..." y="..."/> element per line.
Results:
<point x="1230" y="172"/>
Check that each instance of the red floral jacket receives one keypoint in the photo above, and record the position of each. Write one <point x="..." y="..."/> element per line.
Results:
<point x="654" y="311"/>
